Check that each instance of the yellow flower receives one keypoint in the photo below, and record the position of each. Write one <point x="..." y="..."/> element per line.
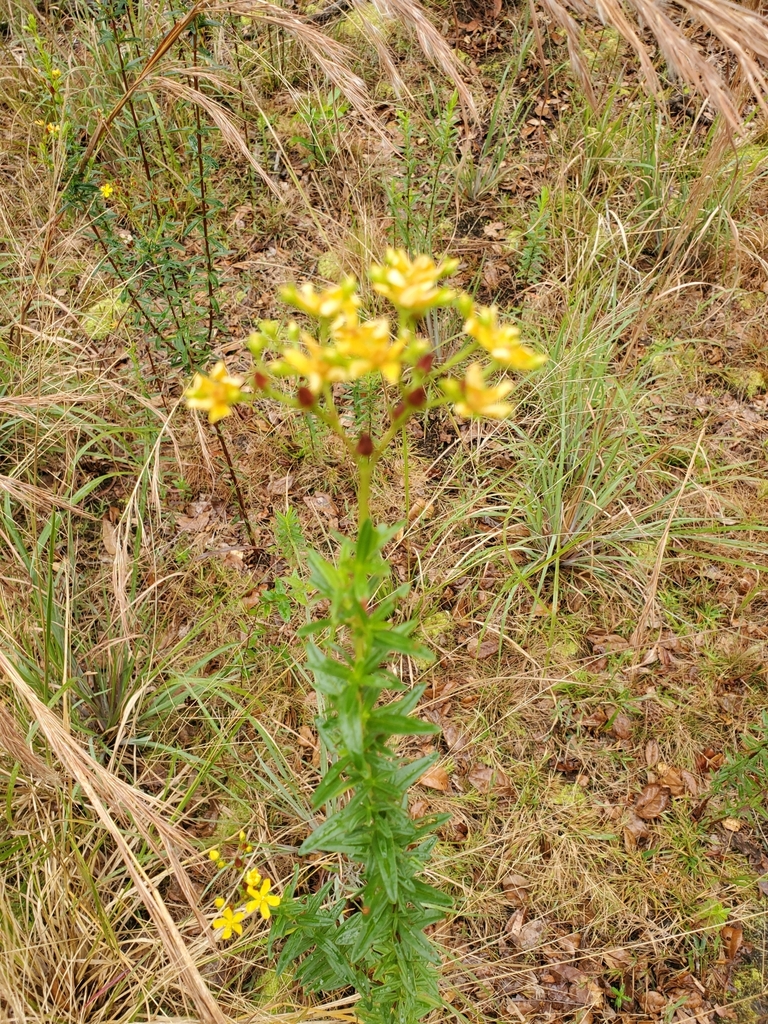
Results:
<point x="501" y="341"/>
<point x="219" y="902"/>
<point x="52" y="129"/>
<point x="229" y="923"/>
<point x="320" y="364"/>
<point x="368" y="348"/>
<point x="472" y="397"/>
<point x="214" y="855"/>
<point x="262" y="900"/>
<point x="412" y="284"/>
<point x="253" y="879"/>
<point x="341" y="300"/>
<point x="107" y="189"/>
<point x="215" y="394"/>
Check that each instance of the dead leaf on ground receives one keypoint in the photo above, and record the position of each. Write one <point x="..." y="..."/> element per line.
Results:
<point x="282" y="485"/>
<point x="482" y="650"/>
<point x="436" y="778"/>
<point x="455" y="737"/>
<point x="652" y="753"/>
<point x="678" y="781"/>
<point x="652" y="1002"/>
<point x="634" y="830"/>
<point x="762" y="886"/>
<point x="617" y="959"/>
<point x="652" y="802"/>
<point x="733" y="937"/>
<point x="525" y="935"/>
<point x="733" y="825"/>
<point x="607" y="643"/>
<point x="596" y="720"/>
<point x="109" y="536"/>
<point x="489" y="780"/>
<point x="516" y="889"/>
<point x="621" y="727"/>
<point x="418" y="808"/>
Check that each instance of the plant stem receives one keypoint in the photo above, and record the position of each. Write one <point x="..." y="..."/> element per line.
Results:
<point x="364" y="469"/>
<point x="236" y="485"/>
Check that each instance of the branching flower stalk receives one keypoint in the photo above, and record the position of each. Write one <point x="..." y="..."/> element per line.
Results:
<point x="366" y="929"/>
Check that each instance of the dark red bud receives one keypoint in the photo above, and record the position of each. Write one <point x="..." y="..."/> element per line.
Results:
<point x="398" y="411"/>
<point x="306" y="398"/>
<point x="417" y="398"/>
<point x="425" y="363"/>
<point x="364" y="445"/>
<point x="260" y="379"/>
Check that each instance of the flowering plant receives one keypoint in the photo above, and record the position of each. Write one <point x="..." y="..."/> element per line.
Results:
<point x="367" y="931"/>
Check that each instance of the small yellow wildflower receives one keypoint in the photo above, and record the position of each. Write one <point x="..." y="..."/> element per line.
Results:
<point x="219" y="902"/>
<point x="341" y="300"/>
<point x="215" y="394"/>
<point x="56" y="73"/>
<point x="412" y="284"/>
<point x="473" y="397"/>
<point x="262" y="900"/>
<point x="320" y="364"/>
<point x="107" y="189"/>
<point x="52" y="129"/>
<point x="229" y="923"/>
<point x="214" y="855"/>
<point x="253" y="879"/>
<point x="501" y="341"/>
<point x="369" y="348"/>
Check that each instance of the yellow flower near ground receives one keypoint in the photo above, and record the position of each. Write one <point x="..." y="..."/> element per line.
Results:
<point x="252" y="878"/>
<point x="412" y="284"/>
<point x="215" y="394"/>
<point x="107" y="189"/>
<point x="473" y="397"/>
<point x="501" y="341"/>
<point x="341" y="300"/>
<point x="229" y="923"/>
<point x="368" y="347"/>
<point x="262" y="900"/>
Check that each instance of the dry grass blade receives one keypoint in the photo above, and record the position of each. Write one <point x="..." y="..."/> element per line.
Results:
<point x="220" y="118"/>
<point x="106" y="792"/>
<point x="742" y="31"/>
<point x="571" y="29"/>
<point x="410" y="14"/>
<point x="12" y="741"/>
<point x="38" y="497"/>
<point x="331" y="57"/>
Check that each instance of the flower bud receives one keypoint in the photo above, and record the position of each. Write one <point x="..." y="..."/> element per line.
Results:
<point x="364" y="445"/>
<point x="425" y="363"/>
<point x="260" y="379"/>
<point x="398" y="411"/>
<point x="417" y="398"/>
<point x="305" y="397"/>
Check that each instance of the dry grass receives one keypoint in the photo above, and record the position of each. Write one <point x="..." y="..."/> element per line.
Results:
<point x="591" y="577"/>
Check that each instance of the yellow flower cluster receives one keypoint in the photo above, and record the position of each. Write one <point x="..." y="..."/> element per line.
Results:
<point x="411" y="285"/>
<point x="346" y="349"/>
<point x="261" y="901"/>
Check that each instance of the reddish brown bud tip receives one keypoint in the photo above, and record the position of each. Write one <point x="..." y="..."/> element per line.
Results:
<point x="417" y="398"/>
<point x="260" y="379"/>
<point x="364" y="445"/>
<point x="306" y="398"/>
<point x="425" y="363"/>
<point x="398" y="411"/>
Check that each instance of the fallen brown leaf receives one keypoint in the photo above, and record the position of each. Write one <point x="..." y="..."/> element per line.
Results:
<point x="489" y="780"/>
<point x="652" y="753"/>
<point x="515" y="889"/>
<point x="622" y="726"/>
<point x="652" y="802"/>
<point x="733" y="937"/>
<point x="634" y="829"/>
<point x="652" y="1002"/>
<point x="436" y="778"/>
<point x="108" y="536"/>
<point x="482" y="650"/>
<point x="528" y="935"/>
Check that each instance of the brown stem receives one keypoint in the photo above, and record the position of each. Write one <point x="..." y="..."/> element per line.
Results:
<point x="236" y="485"/>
